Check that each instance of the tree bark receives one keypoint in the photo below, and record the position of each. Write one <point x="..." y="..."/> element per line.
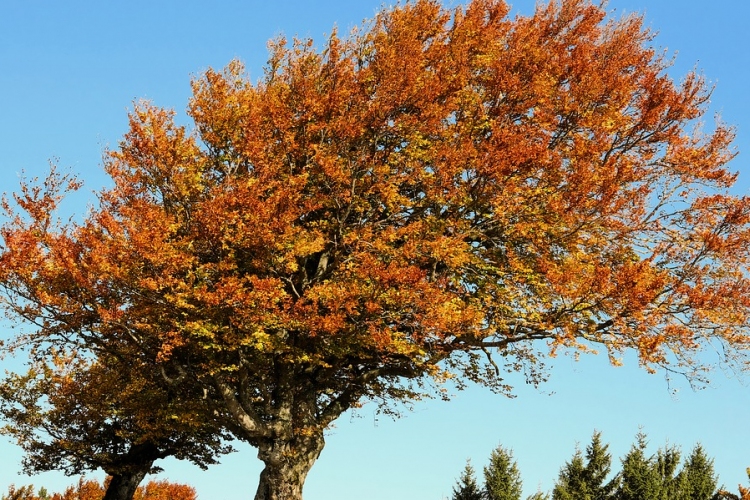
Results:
<point x="286" y="466"/>
<point x="122" y="486"/>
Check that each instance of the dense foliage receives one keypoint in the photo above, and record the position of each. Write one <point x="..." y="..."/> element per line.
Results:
<point x="502" y="479"/>
<point x="588" y="476"/>
<point x="87" y="489"/>
<point x="78" y="415"/>
<point x="445" y="194"/>
<point x="466" y="487"/>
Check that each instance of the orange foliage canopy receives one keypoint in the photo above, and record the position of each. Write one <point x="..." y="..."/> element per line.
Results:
<point x="744" y="493"/>
<point x="88" y="489"/>
<point x="442" y="194"/>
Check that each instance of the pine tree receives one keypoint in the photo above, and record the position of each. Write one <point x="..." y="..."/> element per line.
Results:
<point x="665" y="465"/>
<point x="697" y="478"/>
<point x="586" y="481"/>
<point x="539" y="496"/>
<point x="598" y="467"/>
<point x="638" y="480"/>
<point x="466" y="487"/>
<point x="571" y="484"/>
<point x="502" y="480"/>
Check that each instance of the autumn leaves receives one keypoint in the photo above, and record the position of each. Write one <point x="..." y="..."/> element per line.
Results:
<point x="444" y="194"/>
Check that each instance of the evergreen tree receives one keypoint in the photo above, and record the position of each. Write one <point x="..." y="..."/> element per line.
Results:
<point x="539" y="496"/>
<point x="502" y="480"/>
<point x="598" y="467"/>
<point x="466" y="487"/>
<point x="586" y="481"/>
<point x="665" y="465"/>
<point x="571" y="484"/>
<point x="697" y="478"/>
<point x="638" y="480"/>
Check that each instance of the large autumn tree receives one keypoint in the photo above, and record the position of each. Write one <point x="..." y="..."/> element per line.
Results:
<point x="442" y="194"/>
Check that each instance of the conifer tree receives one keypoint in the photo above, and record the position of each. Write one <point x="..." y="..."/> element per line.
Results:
<point x="466" y="487"/>
<point x="697" y="478"/>
<point x="586" y="481"/>
<point x="502" y="479"/>
<point x="637" y="478"/>
<point x="571" y="484"/>
<point x="538" y="496"/>
<point x="598" y="466"/>
<point x="665" y="465"/>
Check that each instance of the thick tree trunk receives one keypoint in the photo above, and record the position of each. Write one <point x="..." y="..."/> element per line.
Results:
<point x="287" y="465"/>
<point x="123" y="486"/>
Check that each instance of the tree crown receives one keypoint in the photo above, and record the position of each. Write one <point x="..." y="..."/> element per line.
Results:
<point x="442" y="194"/>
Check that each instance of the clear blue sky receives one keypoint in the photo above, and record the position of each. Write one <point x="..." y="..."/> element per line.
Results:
<point x="69" y="72"/>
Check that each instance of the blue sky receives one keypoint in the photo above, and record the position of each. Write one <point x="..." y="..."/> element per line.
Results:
<point x="69" y="71"/>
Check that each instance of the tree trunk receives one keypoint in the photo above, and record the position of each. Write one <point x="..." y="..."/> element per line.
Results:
<point x="286" y="466"/>
<point x="123" y="486"/>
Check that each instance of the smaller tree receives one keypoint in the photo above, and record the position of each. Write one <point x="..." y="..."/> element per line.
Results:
<point x="744" y="493"/>
<point x="538" y="496"/>
<point x="598" y="467"/>
<point x="85" y="489"/>
<point x="637" y="478"/>
<point x="164" y="490"/>
<point x="466" y="487"/>
<point x="22" y="493"/>
<point x="571" y="483"/>
<point x="587" y="480"/>
<point x="90" y="489"/>
<point x="502" y="479"/>
<point x="77" y="414"/>
<point x="697" y="478"/>
<point x="665" y="465"/>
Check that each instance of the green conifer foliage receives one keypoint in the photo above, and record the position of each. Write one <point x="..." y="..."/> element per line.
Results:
<point x="586" y="479"/>
<point x="665" y="465"/>
<point x="598" y="467"/>
<point x="466" y="487"/>
<point x="571" y="484"/>
<point x="697" y="478"/>
<point x="638" y="480"/>
<point x="656" y="478"/>
<point x="502" y="479"/>
<point x="538" y="496"/>
<point x="587" y="476"/>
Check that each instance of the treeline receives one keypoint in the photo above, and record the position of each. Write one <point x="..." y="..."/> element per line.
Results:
<point x="89" y="489"/>
<point x="588" y="476"/>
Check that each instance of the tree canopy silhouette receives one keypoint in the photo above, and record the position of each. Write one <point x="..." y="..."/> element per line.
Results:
<point x="444" y="194"/>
